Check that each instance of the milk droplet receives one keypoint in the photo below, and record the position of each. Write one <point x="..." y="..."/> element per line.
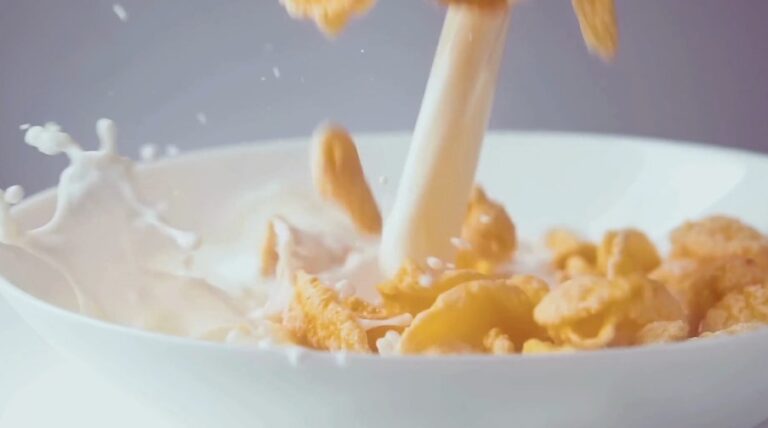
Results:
<point x="24" y="126"/>
<point x="383" y="179"/>
<point x="148" y="152"/>
<point x="50" y="139"/>
<point x="295" y="354"/>
<point x="14" y="194"/>
<point x="202" y="118"/>
<point x="276" y="72"/>
<point x="485" y="219"/>
<point x="435" y="263"/>
<point x="426" y="280"/>
<point x="172" y="150"/>
<point x="107" y="133"/>
<point x="120" y="11"/>
<point x="460" y="244"/>
<point x="342" y="358"/>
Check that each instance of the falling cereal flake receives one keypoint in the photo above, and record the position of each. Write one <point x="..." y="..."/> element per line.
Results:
<point x="426" y="280"/>
<point x="14" y="194"/>
<point x="276" y="72"/>
<point x="24" y="126"/>
<point x="383" y="179"/>
<point x="148" y="152"/>
<point x="202" y="118"/>
<point x="120" y="11"/>
<point x="435" y="263"/>
<point x="172" y="150"/>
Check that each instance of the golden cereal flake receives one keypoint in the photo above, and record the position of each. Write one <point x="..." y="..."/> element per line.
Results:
<point x="584" y="312"/>
<point x="747" y="305"/>
<point x="535" y="288"/>
<point x="461" y="317"/>
<point x="719" y="237"/>
<point x="407" y="292"/>
<point x="497" y="342"/>
<point x="692" y="283"/>
<point x="490" y="233"/>
<point x="597" y="19"/>
<point x="537" y="346"/>
<point x="576" y="266"/>
<point x="366" y="310"/>
<point x="733" y="273"/>
<point x="331" y="16"/>
<point x="626" y="252"/>
<point x="662" y="332"/>
<point x="338" y="176"/>
<point x="318" y="319"/>
<point x="652" y="302"/>
<point x="566" y="245"/>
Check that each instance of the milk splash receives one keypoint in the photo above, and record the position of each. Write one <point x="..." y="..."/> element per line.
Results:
<point x="103" y="236"/>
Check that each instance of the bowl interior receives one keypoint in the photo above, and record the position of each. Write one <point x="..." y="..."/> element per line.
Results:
<point x="588" y="182"/>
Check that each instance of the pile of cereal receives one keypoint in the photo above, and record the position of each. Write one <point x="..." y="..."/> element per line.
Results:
<point x="613" y="293"/>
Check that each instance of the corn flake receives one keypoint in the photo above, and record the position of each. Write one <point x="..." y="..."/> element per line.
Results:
<point x="566" y="245"/>
<point x="734" y="273"/>
<point x="747" y="305"/>
<point x="536" y="289"/>
<point x="338" y="176"/>
<point x="330" y="15"/>
<point x="461" y="318"/>
<point x="691" y="283"/>
<point x="318" y="319"/>
<point x="584" y="311"/>
<point x="406" y="292"/>
<point x="490" y="233"/>
<point x="719" y="237"/>
<point x="626" y="252"/>
<point x="597" y="19"/>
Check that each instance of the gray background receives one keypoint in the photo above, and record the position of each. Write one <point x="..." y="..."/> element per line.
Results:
<point x="688" y="69"/>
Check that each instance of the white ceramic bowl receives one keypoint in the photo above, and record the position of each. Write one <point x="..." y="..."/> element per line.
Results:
<point x="587" y="181"/>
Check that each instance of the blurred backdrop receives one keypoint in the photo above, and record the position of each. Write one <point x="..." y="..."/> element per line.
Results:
<point x="689" y="69"/>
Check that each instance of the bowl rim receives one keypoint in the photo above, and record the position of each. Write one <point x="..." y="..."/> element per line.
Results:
<point x="291" y="144"/>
